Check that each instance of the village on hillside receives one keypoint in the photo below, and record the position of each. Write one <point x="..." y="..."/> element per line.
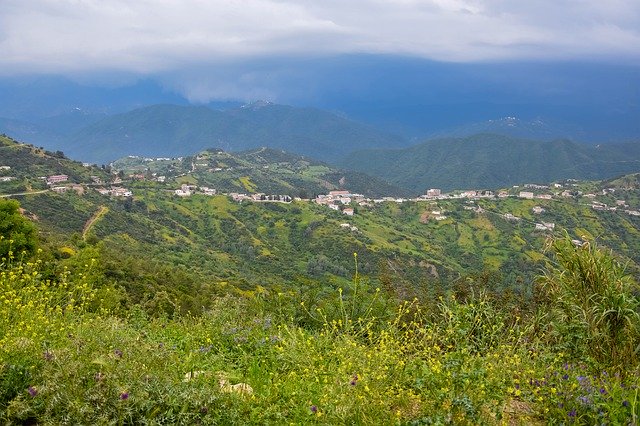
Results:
<point x="348" y="202"/>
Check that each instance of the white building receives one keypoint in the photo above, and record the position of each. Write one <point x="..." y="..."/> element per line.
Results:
<point x="526" y="194"/>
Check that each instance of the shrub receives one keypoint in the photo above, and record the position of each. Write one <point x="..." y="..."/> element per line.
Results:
<point x="594" y="311"/>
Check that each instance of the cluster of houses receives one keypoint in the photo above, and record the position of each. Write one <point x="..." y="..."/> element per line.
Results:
<point x="115" y="191"/>
<point x="54" y="182"/>
<point x="340" y="200"/>
<point x="437" y="194"/>
<point x="260" y="197"/>
<point x="344" y="200"/>
<point x="189" y="190"/>
<point x="620" y="205"/>
<point x="528" y="195"/>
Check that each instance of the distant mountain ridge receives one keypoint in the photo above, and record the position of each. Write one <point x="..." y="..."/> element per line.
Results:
<point x="536" y="129"/>
<point x="493" y="161"/>
<point x="173" y="130"/>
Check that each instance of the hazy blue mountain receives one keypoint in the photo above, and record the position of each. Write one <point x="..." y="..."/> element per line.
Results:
<point x="493" y="161"/>
<point x="172" y="130"/>
<point x="26" y="131"/>
<point x="32" y="98"/>
<point x="535" y="129"/>
<point x="412" y="97"/>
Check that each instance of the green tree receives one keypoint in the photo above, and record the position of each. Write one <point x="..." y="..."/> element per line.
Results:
<point x="17" y="234"/>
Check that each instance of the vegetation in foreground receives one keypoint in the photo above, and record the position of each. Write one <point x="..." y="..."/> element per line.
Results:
<point x="69" y="353"/>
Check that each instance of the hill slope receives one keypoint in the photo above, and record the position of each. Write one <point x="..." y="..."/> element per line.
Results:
<point x="493" y="161"/>
<point x="24" y="165"/>
<point x="170" y="130"/>
<point x="261" y="170"/>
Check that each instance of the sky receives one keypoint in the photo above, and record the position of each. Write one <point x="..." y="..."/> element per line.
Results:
<point x="334" y="53"/>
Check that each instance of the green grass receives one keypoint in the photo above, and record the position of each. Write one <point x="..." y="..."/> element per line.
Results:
<point x="351" y="356"/>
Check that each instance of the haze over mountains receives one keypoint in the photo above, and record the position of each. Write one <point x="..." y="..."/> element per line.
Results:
<point x="170" y="130"/>
<point x="490" y="154"/>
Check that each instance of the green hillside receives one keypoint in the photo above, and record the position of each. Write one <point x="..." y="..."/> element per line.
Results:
<point x="171" y="130"/>
<point x="493" y="161"/>
<point x="261" y="170"/>
<point x="220" y="243"/>
<point x="161" y="309"/>
<point x="28" y="165"/>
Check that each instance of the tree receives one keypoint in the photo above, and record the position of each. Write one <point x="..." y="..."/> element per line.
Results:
<point x="17" y="234"/>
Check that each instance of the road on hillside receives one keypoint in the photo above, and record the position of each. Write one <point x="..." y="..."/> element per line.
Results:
<point x="23" y="193"/>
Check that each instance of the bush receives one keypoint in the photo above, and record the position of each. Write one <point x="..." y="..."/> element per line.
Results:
<point x="17" y="234"/>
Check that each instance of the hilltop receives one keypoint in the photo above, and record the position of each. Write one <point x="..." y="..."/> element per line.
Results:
<point x="260" y="170"/>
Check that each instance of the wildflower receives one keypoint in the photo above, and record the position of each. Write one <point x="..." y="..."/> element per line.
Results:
<point x="124" y="396"/>
<point x="314" y="409"/>
<point x="565" y="377"/>
<point x="585" y="400"/>
<point x="32" y="391"/>
<point x="625" y="403"/>
<point x="354" y="380"/>
<point x="48" y="355"/>
<point x="572" y="413"/>
<point x="603" y="391"/>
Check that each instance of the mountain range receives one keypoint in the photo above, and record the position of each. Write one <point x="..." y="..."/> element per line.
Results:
<point x="507" y="151"/>
<point x="174" y="130"/>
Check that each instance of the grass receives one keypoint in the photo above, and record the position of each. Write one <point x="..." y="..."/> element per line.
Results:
<point x="353" y="356"/>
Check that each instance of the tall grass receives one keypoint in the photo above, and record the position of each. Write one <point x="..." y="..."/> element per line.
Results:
<point x="594" y="311"/>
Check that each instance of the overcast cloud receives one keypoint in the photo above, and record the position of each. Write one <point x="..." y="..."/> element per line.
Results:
<point x="147" y="36"/>
<point x="250" y="49"/>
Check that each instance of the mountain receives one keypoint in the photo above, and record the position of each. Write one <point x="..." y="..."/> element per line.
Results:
<point x="493" y="161"/>
<point x="50" y="132"/>
<point x="535" y="129"/>
<point x="172" y="130"/>
<point x="261" y="170"/>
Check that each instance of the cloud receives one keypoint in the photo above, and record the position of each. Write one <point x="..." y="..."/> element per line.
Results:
<point x="147" y="36"/>
<point x="251" y="49"/>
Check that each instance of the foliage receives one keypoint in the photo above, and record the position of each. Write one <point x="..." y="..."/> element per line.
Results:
<point x="17" y="234"/>
<point x="596" y="312"/>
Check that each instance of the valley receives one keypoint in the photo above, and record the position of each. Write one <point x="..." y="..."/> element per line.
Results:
<point x="265" y="218"/>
